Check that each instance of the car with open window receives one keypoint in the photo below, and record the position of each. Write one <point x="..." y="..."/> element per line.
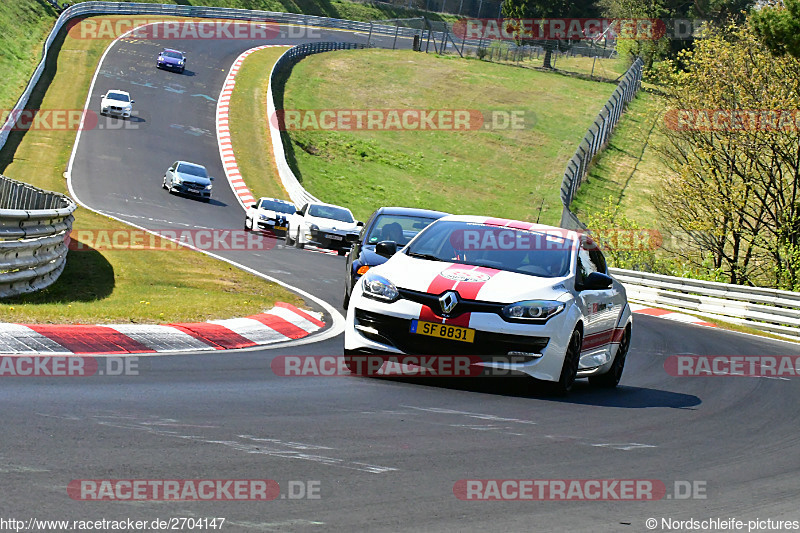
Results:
<point x="513" y="295"/>
<point x="395" y="224"/>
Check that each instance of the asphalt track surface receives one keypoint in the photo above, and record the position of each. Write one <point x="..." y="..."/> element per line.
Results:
<point x="385" y="453"/>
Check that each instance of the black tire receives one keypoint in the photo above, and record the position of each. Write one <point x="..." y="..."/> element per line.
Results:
<point x="610" y="379"/>
<point x="297" y="244"/>
<point x="345" y="300"/>
<point x="341" y="252"/>
<point x="570" y="368"/>
<point x="287" y="238"/>
<point x="164" y="184"/>
<point x="245" y="225"/>
<point x="207" y="200"/>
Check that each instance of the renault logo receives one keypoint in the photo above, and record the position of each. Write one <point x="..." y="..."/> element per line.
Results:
<point x="448" y="301"/>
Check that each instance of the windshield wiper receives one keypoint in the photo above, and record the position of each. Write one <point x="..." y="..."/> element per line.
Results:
<point x="429" y="257"/>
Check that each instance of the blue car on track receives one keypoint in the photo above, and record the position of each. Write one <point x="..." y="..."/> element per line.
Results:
<point x="171" y="59"/>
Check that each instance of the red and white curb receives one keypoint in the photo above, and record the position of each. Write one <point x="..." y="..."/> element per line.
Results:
<point x="283" y="322"/>
<point x="238" y="185"/>
<point x="670" y="315"/>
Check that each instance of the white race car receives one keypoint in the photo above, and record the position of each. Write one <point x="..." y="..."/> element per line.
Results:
<point x="323" y="225"/>
<point x="116" y="102"/>
<point x="268" y="214"/>
<point x="514" y="296"/>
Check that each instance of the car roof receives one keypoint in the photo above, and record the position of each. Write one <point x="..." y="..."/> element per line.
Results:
<point x="410" y="212"/>
<point x="190" y="163"/>
<point x="275" y="200"/>
<point x="330" y="205"/>
<point x="504" y="222"/>
<point x="171" y="50"/>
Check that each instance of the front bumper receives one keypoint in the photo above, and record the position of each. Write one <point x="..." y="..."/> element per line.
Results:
<point x="170" y="66"/>
<point x="116" y="111"/>
<point x="329" y="239"/>
<point x="271" y="225"/>
<point x="536" y="350"/>
<point x="189" y="189"/>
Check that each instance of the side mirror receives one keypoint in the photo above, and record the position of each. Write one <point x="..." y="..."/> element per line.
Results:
<point x="253" y="205"/>
<point x="133" y="101"/>
<point x="352" y="238"/>
<point x="359" y="224"/>
<point x="211" y="178"/>
<point x="596" y="281"/>
<point x="386" y="248"/>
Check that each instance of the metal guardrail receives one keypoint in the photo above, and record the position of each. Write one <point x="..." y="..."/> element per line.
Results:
<point x="34" y="227"/>
<point x="297" y="193"/>
<point x="596" y="139"/>
<point x="763" y="309"/>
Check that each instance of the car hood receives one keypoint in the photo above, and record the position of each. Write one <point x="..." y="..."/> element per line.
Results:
<point x="472" y="283"/>
<point x="170" y="60"/>
<point x="327" y="224"/>
<point x="191" y="177"/>
<point x="117" y="103"/>
<point x="272" y="214"/>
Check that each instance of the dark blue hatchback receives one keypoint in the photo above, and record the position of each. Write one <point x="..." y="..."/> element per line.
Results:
<point x="388" y="224"/>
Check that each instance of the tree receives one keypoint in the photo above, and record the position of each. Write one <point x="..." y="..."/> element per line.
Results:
<point x="733" y="132"/>
<point x="539" y="9"/>
<point x="778" y="27"/>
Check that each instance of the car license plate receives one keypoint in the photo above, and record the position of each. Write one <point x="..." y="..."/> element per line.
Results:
<point x="443" y="331"/>
<point x="333" y="237"/>
<point x="281" y="227"/>
<point x="194" y="191"/>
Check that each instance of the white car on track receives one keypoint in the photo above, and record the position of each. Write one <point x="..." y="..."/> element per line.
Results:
<point x="116" y="103"/>
<point x="514" y="296"/>
<point x="323" y="225"/>
<point x="268" y="214"/>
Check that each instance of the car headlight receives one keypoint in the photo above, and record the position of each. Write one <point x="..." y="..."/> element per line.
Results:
<point x="379" y="288"/>
<point x="177" y="180"/>
<point x="208" y="187"/>
<point x="263" y="217"/>
<point x="180" y="63"/>
<point x="533" y="310"/>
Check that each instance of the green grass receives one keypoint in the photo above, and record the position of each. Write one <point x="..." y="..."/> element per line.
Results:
<point x="120" y="285"/>
<point x="630" y="169"/>
<point x="509" y="173"/>
<point x="24" y="26"/>
<point x="251" y="138"/>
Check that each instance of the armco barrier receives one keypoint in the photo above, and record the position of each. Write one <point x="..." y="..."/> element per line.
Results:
<point x="34" y="225"/>
<point x="596" y="139"/>
<point x="769" y="310"/>
<point x="297" y="192"/>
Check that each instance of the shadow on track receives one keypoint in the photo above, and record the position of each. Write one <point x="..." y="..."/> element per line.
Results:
<point x="582" y="393"/>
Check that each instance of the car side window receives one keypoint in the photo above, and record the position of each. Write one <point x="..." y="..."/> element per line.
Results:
<point x="598" y="260"/>
<point x="585" y="264"/>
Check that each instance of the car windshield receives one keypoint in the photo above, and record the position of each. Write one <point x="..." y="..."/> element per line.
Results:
<point x="278" y="207"/>
<point x="331" y="211"/>
<point x="536" y="253"/>
<point x="118" y="96"/>
<point x="173" y="55"/>
<point x="397" y="228"/>
<point x="194" y="170"/>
